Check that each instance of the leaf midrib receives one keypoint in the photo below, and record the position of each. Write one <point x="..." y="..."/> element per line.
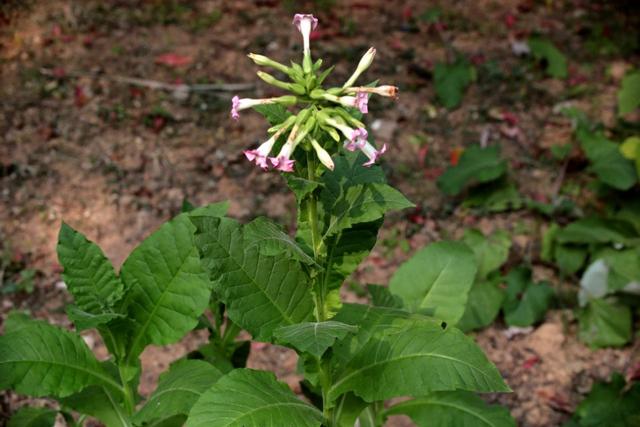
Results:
<point x="419" y="403"/>
<point x="406" y="357"/>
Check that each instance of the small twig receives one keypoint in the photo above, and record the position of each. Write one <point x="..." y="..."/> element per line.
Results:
<point x="154" y="84"/>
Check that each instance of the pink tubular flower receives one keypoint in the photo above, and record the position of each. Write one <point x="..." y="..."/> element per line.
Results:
<point x="362" y="100"/>
<point x="260" y="154"/>
<point x="385" y="90"/>
<point x="371" y="152"/>
<point x="235" y="103"/>
<point x="305" y="24"/>
<point x="357" y="139"/>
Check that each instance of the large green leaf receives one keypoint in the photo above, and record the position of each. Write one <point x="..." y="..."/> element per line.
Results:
<point x="526" y="302"/>
<point x="453" y="408"/>
<point x="437" y="278"/>
<point x="607" y="161"/>
<point x="178" y="390"/>
<point x="451" y="80"/>
<point x="88" y="274"/>
<point x="272" y="241"/>
<point x="28" y="416"/>
<point x="167" y="287"/>
<point x="613" y="404"/>
<point x="544" y="49"/>
<point x="248" y="398"/>
<point x="483" y="306"/>
<point x="629" y="94"/>
<point x="491" y="251"/>
<point x="313" y="337"/>
<point x="100" y="403"/>
<point x="570" y="258"/>
<point x="261" y="292"/>
<point x="604" y="324"/>
<point x="40" y="360"/>
<point x="382" y="297"/>
<point x="403" y="358"/>
<point x="597" y="230"/>
<point x="476" y="165"/>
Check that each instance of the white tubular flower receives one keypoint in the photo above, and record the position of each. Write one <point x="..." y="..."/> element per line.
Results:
<point x="322" y="154"/>
<point x="371" y="152"/>
<point x="364" y="63"/>
<point x="238" y="103"/>
<point x="261" y="154"/>
<point x="305" y="23"/>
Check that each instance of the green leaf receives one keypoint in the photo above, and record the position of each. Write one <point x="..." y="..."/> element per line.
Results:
<point x="167" y="287"/>
<point x="83" y="320"/>
<point x="544" y="49"/>
<point x="261" y="292"/>
<point x="100" y="403"/>
<point x="348" y="409"/>
<point x="363" y="203"/>
<point x="382" y="297"/>
<point x="605" y="324"/>
<point x="610" y="404"/>
<point x="272" y="241"/>
<point x="630" y="148"/>
<point x="494" y="196"/>
<point x="526" y="302"/>
<point x="453" y="408"/>
<point x="437" y="278"/>
<point x="274" y="113"/>
<point x="490" y="251"/>
<point x="178" y="390"/>
<point x="476" y="165"/>
<point x="28" y="416"/>
<point x="301" y="187"/>
<point x="593" y="284"/>
<point x="629" y="94"/>
<point x="570" y="258"/>
<point x="624" y="266"/>
<point x="218" y="209"/>
<point x="313" y="337"/>
<point x="400" y="360"/>
<point x="41" y="360"/>
<point x="608" y="163"/>
<point x="597" y="230"/>
<point x="451" y="80"/>
<point x="483" y="305"/>
<point x="248" y="398"/>
<point x="88" y="274"/>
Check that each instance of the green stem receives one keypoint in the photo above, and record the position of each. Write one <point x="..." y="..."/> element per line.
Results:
<point x="230" y="334"/>
<point x="312" y="217"/>
<point x="325" y="383"/>
<point x="129" y="400"/>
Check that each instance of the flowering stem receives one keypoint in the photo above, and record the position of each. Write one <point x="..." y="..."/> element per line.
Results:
<point x="312" y="215"/>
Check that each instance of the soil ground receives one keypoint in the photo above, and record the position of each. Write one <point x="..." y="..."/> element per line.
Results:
<point x="114" y="160"/>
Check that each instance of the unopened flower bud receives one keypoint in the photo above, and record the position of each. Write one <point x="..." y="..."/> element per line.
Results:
<point x="305" y="23"/>
<point x="322" y="154"/>
<point x="364" y="63"/>
<point x="385" y="90"/>
<point x="265" y="61"/>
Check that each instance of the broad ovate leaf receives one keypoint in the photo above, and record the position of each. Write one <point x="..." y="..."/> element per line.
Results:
<point x="476" y="165"/>
<point x="178" y="390"/>
<point x="313" y="337"/>
<point x="261" y="292"/>
<point x="249" y="398"/>
<point x="604" y="323"/>
<point x="101" y="403"/>
<point x="543" y="49"/>
<point x="273" y="241"/>
<point x="167" y="287"/>
<point x="453" y="408"/>
<point x="629" y="94"/>
<point x="88" y="274"/>
<point x="437" y="279"/>
<point x="491" y="251"/>
<point x="28" y="416"/>
<point x="42" y="360"/>
<point x="412" y="357"/>
<point x="526" y="302"/>
<point x="483" y="305"/>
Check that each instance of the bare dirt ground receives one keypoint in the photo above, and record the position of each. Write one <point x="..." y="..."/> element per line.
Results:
<point x="115" y="160"/>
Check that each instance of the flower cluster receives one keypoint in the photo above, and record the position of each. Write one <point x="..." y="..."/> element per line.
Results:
<point x="329" y="112"/>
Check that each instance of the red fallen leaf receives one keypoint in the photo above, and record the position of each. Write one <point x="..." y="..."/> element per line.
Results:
<point x="439" y="26"/>
<point x="56" y="268"/>
<point x="509" y="20"/>
<point x="530" y="362"/>
<point x="88" y="40"/>
<point x="433" y="173"/>
<point x="554" y="399"/>
<point x="173" y="60"/>
<point x="56" y="31"/>
<point x="633" y="373"/>
<point x="159" y="122"/>
<point x="422" y="155"/>
<point x="79" y="96"/>
<point x="407" y="13"/>
<point x="135" y="92"/>
<point x="539" y="197"/>
<point x="454" y="156"/>
<point x="478" y="59"/>
<point x="58" y="72"/>
<point x="510" y="118"/>
<point x="416" y="216"/>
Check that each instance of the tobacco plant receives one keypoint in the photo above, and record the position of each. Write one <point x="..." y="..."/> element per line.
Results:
<point x="279" y="289"/>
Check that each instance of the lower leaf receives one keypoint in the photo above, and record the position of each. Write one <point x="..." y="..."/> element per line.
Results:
<point x="28" y="416"/>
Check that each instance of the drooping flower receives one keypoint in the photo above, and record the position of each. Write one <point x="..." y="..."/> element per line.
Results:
<point x="371" y="152"/>
<point x="322" y="154"/>
<point x="362" y="100"/>
<point x="235" y="106"/>
<point x="355" y="137"/>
